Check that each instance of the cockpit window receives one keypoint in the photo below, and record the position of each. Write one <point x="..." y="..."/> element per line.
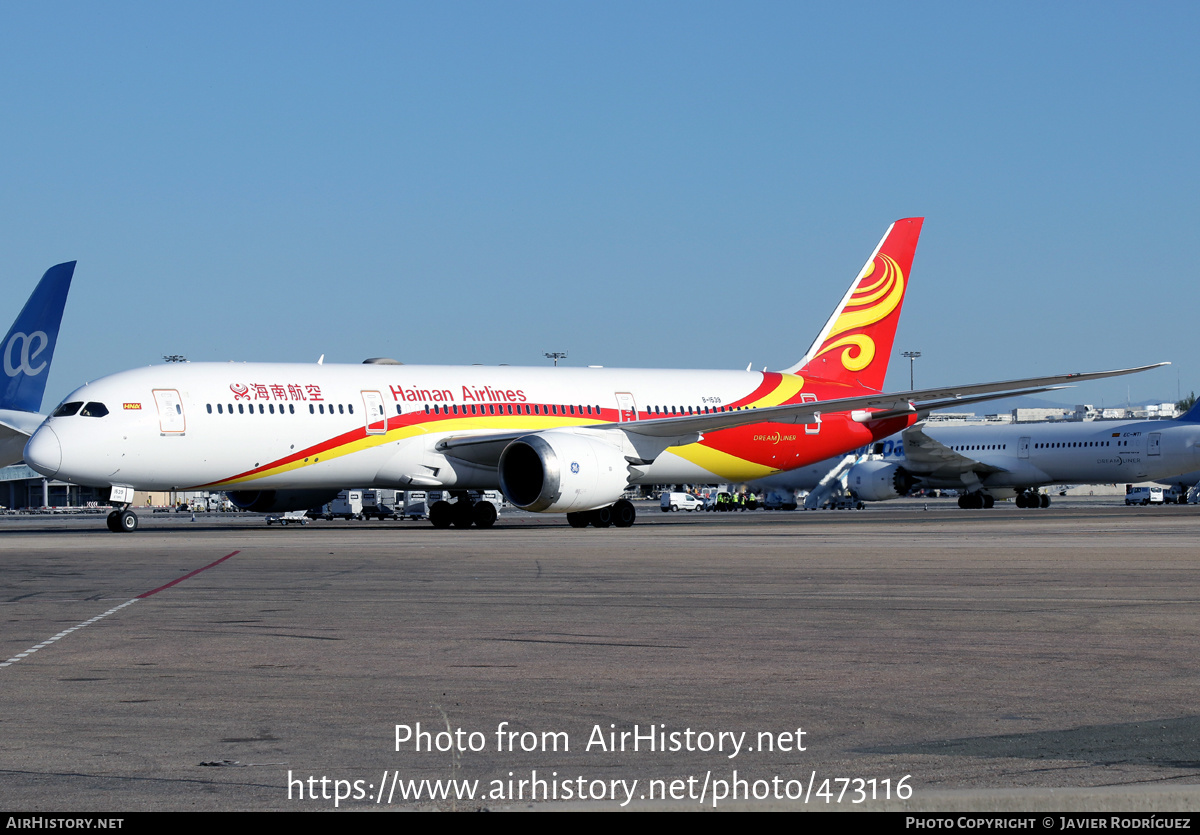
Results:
<point x="94" y="410"/>
<point x="67" y="409"/>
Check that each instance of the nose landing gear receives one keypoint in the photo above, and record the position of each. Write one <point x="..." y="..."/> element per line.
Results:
<point x="122" y="521"/>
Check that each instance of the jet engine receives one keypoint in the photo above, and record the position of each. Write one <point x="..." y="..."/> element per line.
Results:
<point x="878" y="481"/>
<point x="279" y="501"/>
<point x="558" y="472"/>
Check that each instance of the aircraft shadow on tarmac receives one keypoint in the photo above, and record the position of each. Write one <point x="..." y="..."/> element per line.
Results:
<point x="1166" y="743"/>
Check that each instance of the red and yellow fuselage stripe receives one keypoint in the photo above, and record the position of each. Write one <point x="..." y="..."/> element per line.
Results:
<point x="739" y="453"/>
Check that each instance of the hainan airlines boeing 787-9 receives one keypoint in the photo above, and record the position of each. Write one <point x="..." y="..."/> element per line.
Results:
<point x="289" y="436"/>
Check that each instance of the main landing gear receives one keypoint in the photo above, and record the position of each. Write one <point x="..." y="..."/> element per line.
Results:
<point x="462" y="512"/>
<point x="122" y="521"/>
<point x="1032" y="499"/>
<point x="980" y="500"/>
<point x="976" y="501"/>
<point x="622" y="515"/>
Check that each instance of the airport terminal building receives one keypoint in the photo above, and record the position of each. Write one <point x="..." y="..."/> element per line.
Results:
<point x="22" y="487"/>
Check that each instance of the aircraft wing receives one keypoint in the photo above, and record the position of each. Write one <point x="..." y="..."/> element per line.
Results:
<point x="15" y="429"/>
<point x="894" y="404"/>
<point x="928" y="456"/>
<point x="485" y="449"/>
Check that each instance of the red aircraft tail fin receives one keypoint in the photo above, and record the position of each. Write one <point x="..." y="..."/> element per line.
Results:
<point x="856" y="343"/>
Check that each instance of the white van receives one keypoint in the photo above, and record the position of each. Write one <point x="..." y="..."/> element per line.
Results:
<point x="676" y="501"/>
<point x="1143" y="495"/>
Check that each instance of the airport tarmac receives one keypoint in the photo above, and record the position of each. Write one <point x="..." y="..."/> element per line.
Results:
<point x="977" y="659"/>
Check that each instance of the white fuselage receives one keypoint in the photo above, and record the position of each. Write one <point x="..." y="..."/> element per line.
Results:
<point x="1090" y="452"/>
<point x="292" y="426"/>
<point x="1036" y="454"/>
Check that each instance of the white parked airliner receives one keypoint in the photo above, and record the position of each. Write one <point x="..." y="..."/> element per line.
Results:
<point x="1002" y="461"/>
<point x="286" y="436"/>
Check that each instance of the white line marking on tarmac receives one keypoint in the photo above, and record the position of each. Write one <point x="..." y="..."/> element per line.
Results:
<point x="90" y="621"/>
<point x="65" y="633"/>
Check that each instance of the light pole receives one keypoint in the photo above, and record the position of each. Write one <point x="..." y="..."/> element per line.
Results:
<point x="912" y="355"/>
<point x="556" y="356"/>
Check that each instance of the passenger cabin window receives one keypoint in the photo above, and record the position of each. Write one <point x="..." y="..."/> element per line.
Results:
<point x="67" y="409"/>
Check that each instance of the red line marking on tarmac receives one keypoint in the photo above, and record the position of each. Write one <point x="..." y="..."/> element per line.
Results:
<point x="186" y="576"/>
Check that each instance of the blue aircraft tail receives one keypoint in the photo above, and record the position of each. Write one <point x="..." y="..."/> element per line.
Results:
<point x="29" y="346"/>
<point x="1192" y="414"/>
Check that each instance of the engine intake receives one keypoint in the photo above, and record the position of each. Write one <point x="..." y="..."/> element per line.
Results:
<point x="561" y="472"/>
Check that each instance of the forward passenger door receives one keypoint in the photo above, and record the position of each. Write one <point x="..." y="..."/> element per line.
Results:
<point x="375" y="416"/>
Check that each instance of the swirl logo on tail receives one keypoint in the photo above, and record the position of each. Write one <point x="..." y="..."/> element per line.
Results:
<point x="855" y="345"/>
<point x="870" y="303"/>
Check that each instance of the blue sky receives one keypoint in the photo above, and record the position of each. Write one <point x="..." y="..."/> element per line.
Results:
<point x="646" y="184"/>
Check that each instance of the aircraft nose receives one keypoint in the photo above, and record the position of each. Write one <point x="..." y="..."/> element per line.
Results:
<point x="44" y="452"/>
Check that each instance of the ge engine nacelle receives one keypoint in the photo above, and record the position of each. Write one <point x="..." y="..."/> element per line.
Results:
<point x="279" y="501"/>
<point x="561" y="472"/>
<point x="878" y="481"/>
